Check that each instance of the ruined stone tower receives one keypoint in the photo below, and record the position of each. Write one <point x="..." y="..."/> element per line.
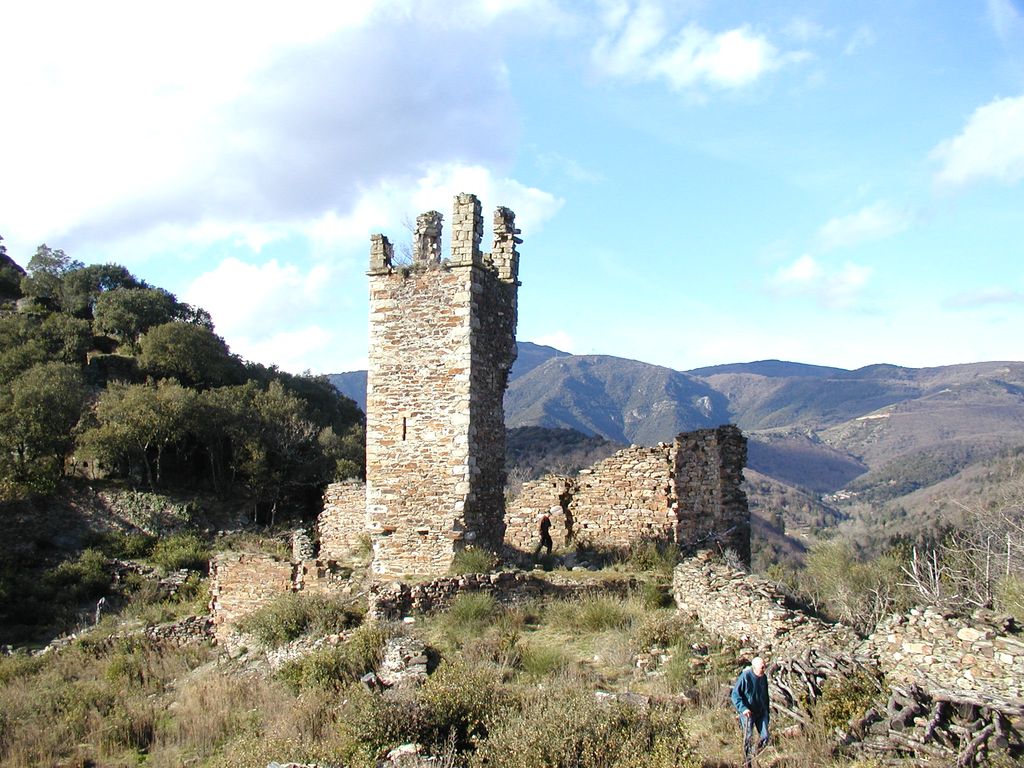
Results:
<point x="442" y="343"/>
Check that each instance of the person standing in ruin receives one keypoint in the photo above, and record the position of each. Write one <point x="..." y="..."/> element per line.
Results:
<point x="545" y="535"/>
<point x="750" y="697"/>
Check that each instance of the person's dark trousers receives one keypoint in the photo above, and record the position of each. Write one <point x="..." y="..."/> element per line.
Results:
<point x="755" y="737"/>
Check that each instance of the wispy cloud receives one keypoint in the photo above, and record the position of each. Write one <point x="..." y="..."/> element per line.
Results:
<point x="640" y="43"/>
<point x="862" y="37"/>
<point x="985" y="297"/>
<point x="805" y="30"/>
<point x="1006" y="19"/>
<point x="835" y="287"/>
<point x="872" y="222"/>
<point x="990" y="146"/>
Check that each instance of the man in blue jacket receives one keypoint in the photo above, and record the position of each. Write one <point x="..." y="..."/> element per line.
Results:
<point x="750" y="697"/>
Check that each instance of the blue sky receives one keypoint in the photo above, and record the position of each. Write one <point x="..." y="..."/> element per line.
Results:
<point x="697" y="182"/>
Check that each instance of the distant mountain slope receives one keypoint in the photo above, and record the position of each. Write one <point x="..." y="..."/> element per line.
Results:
<point x="622" y="400"/>
<point x="530" y="355"/>
<point x="771" y="368"/>
<point x="802" y="460"/>
<point x="351" y="384"/>
<point x="888" y="441"/>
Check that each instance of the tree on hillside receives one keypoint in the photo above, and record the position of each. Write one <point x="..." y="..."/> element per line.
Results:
<point x="45" y="279"/>
<point x="10" y="275"/>
<point x="23" y="347"/>
<point x="126" y="313"/>
<point x="83" y="286"/>
<point x="136" y="423"/>
<point x="65" y="338"/>
<point x="192" y="354"/>
<point x="38" y="411"/>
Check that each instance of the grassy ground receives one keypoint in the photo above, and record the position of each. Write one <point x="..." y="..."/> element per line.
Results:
<point x="514" y="687"/>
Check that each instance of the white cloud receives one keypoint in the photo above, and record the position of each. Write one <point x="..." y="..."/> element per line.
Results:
<point x="991" y="146"/>
<point x="872" y="222"/>
<point x="640" y="44"/>
<point x="241" y="121"/>
<point x="833" y="287"/>
<point x="251" y="300"/>
<point x="308" y="348"/>
<point x="986" y="297"/>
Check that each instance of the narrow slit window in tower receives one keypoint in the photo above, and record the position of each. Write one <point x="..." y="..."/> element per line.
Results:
<point x="404" y="430"/>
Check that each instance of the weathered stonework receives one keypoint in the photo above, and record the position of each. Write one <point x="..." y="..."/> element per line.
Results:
<point x="442" y="342"/>
<point x="626" y="498"/>
<point x="396" y="599"/>
<point x="750" y="609"/>
<point x="550" y="495"/>
<point x="343" y="520"/>
<point x="976" y="658"/>
<point x="241" y="583"/>
<point x="708" y="479"/>
<point x="689" y="492"/>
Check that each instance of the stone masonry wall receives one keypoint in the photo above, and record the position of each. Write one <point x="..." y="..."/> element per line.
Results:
<point x="978" y="658"/>
<point x="442" y="341"/>
<point x="689" y="493"/>
<point x="397" y="599"/>
<point x="549" y="495"/>
<point x="241" y="583"/>
<point x="343" y="519"/>
<point x="750" y="609"/>
<point x="713" y="508"/>
<point x="625" y="498"/>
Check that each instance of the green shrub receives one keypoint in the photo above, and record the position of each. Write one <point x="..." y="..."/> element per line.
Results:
<point x="370" y="725"/>
<point x="594" y="613"/>
<point x="128" y="545"/>
<point x="18" y="665"/>
<point x="467" y="618"/>
<point x="654" y="595"/>
<point x="540" y="661"/>
<point x="844" y="698"/>
<point x="663" y="629"/>
<point x="679" y="672"/>
<point x="87" y="576"/>
<point x="457" y="705"/>
<point x="473" y="560"/>
<point x="559" y="729"/>
<point x="1010" y="596"/>
<point x="181" y="550"/>
<point x="294" y="614"/>
<point x="334" y="668"/>
<point x="656" y="556"/>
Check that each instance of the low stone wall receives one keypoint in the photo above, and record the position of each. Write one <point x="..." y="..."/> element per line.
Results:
<point x="393" y="600"/>
<point x="750" y="609"/>
<point x="343" y="520"/>
<point x="241" y="583"/>
<point x="977" y="658"/>
<point x="549" y="495"/>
